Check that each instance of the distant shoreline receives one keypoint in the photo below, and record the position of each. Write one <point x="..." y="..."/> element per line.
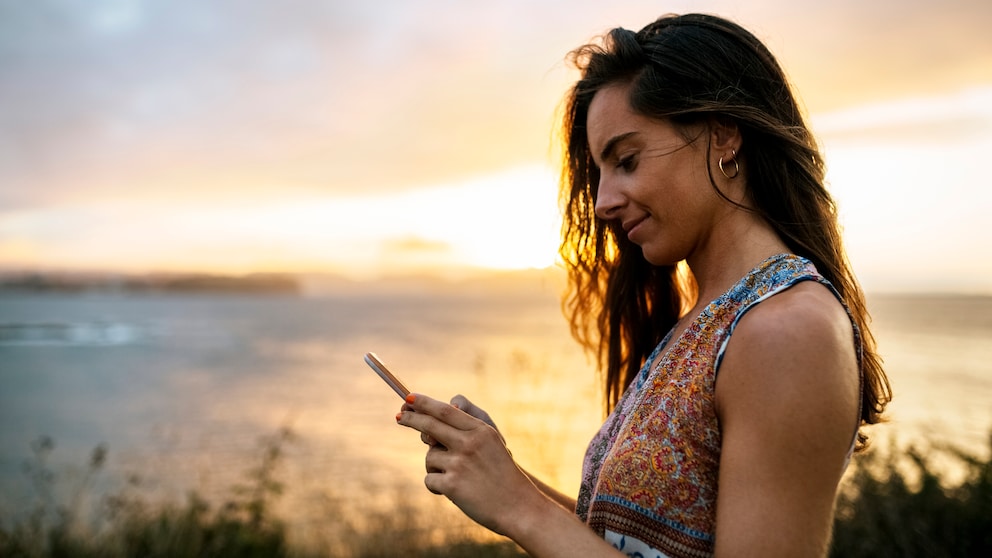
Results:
<point x="543" y="282"/>
<point x="32" y="282"/>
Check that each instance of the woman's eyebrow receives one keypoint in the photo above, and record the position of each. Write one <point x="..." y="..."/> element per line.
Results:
<point x="611" y="144"/>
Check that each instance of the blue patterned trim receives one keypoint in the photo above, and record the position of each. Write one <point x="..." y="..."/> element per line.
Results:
<point x="785" y="286"/>
<point x="654" y="517"/>
<point x="642" y="376"/>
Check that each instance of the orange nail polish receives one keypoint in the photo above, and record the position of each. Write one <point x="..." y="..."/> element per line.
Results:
<point x="399" y="416"/>
<point x="411" y="398"/>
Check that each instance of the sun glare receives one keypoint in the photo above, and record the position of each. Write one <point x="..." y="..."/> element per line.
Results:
<point x="505" y="221"/>
<point x="909" y="177"/>
<point x="501" y="221"/>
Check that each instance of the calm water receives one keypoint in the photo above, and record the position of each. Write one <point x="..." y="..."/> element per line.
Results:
<point x="181" y="388"/>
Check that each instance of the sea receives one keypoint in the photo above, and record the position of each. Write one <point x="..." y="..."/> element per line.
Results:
<point x="181" y="392"/>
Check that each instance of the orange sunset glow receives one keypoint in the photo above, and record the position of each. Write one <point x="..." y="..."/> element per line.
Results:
<point x="210" y="211"/>
<point x="377" y="138"/>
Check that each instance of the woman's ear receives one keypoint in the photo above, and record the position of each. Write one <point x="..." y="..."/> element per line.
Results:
<point x="725" y="144"/>
<point x="725" y="136"/>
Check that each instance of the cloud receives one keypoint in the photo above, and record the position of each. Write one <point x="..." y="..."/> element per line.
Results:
<point x="102" y="98"/>
<point x="152" y="100"/>
<point x="851" y="52"/>
<point x="958" y="117"/>
<point x="236" y="115"/>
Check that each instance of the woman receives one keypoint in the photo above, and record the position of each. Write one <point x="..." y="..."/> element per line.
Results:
<point x="737" y="380"/>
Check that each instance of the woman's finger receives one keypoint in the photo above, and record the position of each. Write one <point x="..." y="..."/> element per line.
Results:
<point x="463" y="403"/>
<point x="436" y="460"/>
<point x="443" y="423"/>
<point x="428" y="439"/>
<point x="444" y="412"/>
<point x="434" y="463"/>
<point x="434" y="482"/>
<point x="433" y="432"/>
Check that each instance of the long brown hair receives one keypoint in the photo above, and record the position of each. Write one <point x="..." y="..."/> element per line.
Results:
<point x="688" y="69"/>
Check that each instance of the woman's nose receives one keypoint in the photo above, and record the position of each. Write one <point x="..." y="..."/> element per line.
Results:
<point x="608" y="200"/>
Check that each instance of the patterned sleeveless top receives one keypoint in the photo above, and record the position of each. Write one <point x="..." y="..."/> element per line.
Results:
<point x="649" y="480"/>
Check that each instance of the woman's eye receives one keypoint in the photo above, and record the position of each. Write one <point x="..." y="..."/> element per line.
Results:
<point x="627" y="163"/>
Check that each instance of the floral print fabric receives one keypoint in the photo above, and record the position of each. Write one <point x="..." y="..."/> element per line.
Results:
<point x="649" y="480"/>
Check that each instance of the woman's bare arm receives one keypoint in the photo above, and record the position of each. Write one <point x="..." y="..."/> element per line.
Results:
<point x="787" y="397"/>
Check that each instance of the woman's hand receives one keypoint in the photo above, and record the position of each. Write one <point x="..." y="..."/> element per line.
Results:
<point x="468" y="461"/>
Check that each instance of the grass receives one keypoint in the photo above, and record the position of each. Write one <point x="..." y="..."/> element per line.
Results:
<point x="245" y="523"/>
<point x="894" y="503"/>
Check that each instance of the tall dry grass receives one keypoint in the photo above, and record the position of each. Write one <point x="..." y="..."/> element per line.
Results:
<point x="244" y="523"/>
<point x="894" y="503"/>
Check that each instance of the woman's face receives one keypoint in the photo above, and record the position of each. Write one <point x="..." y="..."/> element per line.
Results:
<point x="653" y="182"/>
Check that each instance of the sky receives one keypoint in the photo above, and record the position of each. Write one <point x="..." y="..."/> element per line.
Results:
<point x="371" y="137"/>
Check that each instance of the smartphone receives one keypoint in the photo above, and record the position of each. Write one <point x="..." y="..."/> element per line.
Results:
<point x="387" y="376"/>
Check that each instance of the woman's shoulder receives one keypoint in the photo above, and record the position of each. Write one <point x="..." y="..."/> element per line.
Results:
<point x="795" y="345"/>
<point x="805" y="317"/>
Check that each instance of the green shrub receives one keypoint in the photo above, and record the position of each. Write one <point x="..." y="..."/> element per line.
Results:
<point x="898" y="504"/>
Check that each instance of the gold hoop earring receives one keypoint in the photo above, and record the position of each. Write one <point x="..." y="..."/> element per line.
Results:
<point x="737" y="167"/>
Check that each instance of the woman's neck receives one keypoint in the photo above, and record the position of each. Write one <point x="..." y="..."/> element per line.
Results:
<point x="741" y="243"/>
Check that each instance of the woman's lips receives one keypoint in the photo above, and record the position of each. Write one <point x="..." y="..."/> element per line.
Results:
<point x="631" y="226"/>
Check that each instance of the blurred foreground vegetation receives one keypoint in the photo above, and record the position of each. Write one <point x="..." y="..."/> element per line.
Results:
<point x="898" y="503"/>
<point x="893" y="503"/>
